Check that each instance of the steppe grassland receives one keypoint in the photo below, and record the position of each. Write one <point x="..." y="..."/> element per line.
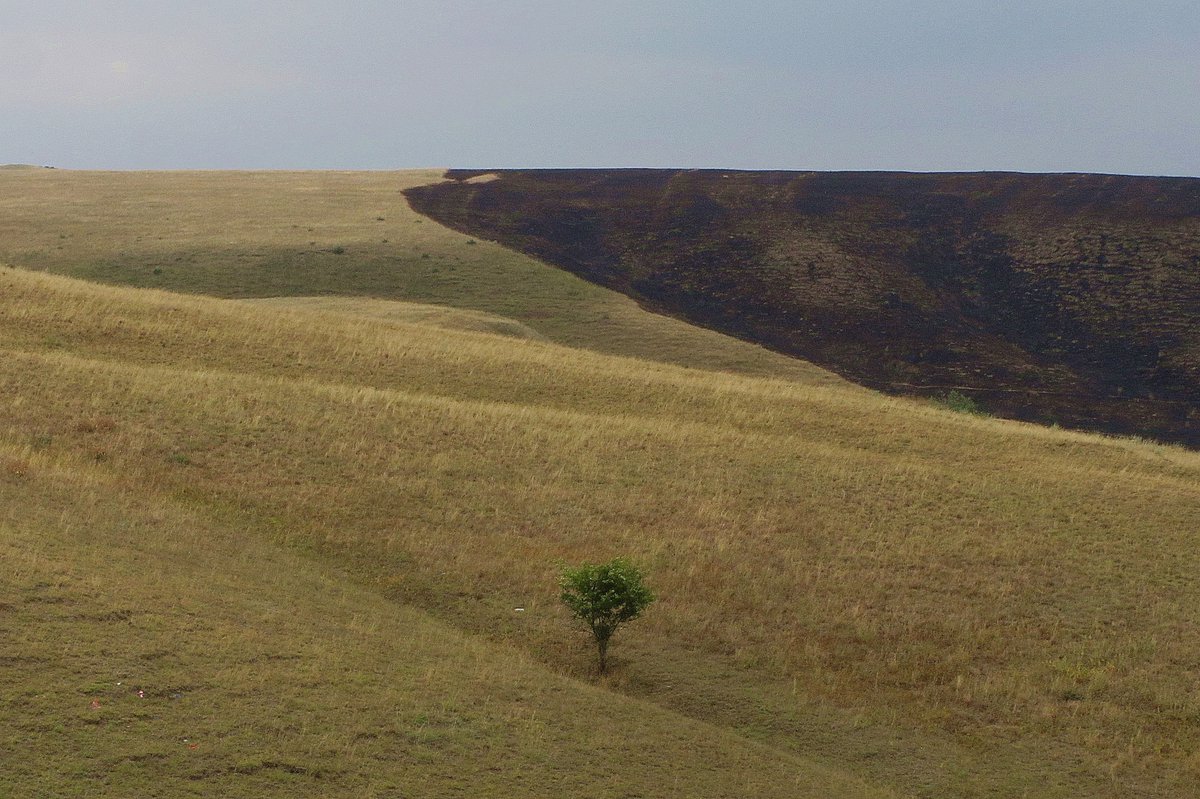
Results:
<point x="959" y="579"/>
<point x="344" y="234"/>
<point x="150" y="650"/>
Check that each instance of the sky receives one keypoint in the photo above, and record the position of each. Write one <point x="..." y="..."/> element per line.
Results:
<point x="922" y="85"/>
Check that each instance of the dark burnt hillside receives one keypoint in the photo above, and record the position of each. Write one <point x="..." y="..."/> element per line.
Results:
<point x="1052" y="298"/>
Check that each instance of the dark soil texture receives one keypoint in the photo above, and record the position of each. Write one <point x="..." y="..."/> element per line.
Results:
<point x="1070" y="299"/>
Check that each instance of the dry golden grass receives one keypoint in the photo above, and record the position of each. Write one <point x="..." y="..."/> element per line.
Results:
<point x="942" y="604"/>
<point x="151" y="651"/>
<point x="347" y="234"/>
<point x="406" y="313"/>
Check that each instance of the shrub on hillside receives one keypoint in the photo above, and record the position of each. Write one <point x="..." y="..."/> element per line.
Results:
<point x="605" y="596"/>
<point x="961" y="403"/>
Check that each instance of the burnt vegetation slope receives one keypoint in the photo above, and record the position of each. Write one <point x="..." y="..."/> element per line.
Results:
<point x="1069" y="299"/>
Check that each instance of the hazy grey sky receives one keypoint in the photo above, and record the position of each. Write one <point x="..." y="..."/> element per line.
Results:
<point x="1047" y="85"/>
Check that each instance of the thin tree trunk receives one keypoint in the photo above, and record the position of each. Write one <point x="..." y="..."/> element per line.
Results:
<point x="602" y="643"/>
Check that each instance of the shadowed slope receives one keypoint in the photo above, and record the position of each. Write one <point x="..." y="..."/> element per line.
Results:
<point x="325" y="234"/>
<point x="1051" y="298"/>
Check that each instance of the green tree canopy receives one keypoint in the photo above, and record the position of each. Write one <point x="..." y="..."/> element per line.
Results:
<point x="604" y="596"/>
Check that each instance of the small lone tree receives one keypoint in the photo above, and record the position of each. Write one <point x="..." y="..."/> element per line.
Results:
<point x="604" y="596"/>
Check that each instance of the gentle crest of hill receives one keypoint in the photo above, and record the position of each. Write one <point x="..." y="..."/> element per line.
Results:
<point x="329" y="238"/>
<point x="1072" y="299"/>
<point x="303" y="534"/>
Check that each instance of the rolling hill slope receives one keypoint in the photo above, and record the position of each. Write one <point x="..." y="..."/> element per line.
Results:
<point x="328" y="234"/>
<point x="153" y="648"/>
<point x="1072" y="299"/>
<point x="327" y="513"/>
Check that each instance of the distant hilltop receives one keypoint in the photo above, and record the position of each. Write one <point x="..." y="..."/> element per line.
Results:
<point x="24" y="166"/>
<point x="1069" y="299"/>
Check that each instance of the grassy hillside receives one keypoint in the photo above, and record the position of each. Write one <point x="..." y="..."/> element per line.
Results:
<point x="346" y="234"/>
<point x="1051" y="298"/>
<point x="152" y="649"/>
<point x="853" y="587"/>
